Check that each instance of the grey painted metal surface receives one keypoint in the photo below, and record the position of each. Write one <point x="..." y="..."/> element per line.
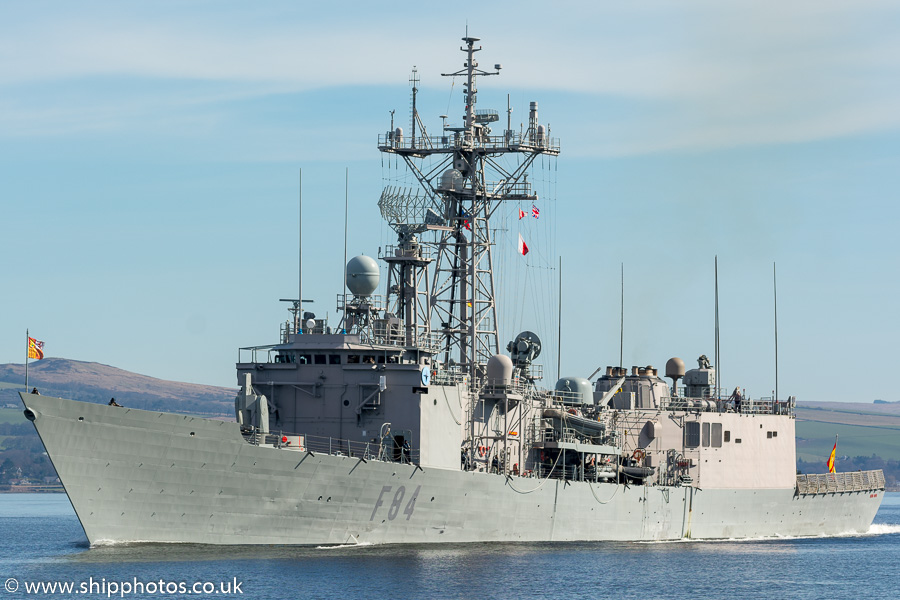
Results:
<point x="135" y="475"/>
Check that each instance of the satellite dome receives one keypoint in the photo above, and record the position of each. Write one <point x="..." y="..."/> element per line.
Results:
<point x="451" y="180"/>
<point x="675" y="368"/>
<point x="499" y="370"/>
<point x="362" y="275"/>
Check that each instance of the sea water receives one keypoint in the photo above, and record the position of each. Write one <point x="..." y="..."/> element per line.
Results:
<point x="44" y="550"/>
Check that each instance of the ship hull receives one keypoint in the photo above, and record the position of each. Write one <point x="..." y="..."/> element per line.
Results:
<point x="142" y="476"/>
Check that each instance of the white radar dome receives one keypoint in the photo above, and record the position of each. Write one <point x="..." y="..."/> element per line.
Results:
<point x="499" y="370"/>
<point x="362" y="275"/>
<point x="452" y="180"/>
<point x="675" y="368"/>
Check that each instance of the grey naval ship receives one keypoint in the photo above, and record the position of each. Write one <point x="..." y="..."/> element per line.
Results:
<point x="407" y="422"/>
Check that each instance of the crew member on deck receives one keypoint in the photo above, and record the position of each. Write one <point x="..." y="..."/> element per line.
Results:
<point x="112" y="402"/>
<point x="406" y="451"/>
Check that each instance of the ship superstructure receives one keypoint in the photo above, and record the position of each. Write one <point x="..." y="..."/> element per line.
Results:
<point x="408" y="422"/>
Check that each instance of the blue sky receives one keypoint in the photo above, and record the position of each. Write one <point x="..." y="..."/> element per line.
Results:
<point x="149" y="158"/>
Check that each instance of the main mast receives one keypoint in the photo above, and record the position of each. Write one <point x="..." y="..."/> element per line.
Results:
<point x="456" y="200"/>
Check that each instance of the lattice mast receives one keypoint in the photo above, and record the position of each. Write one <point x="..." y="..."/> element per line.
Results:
<point x="457" y="199"/>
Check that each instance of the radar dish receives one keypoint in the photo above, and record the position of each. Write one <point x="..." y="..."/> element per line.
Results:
<point x="409" y="211"/>
<point x="525" y="348"/>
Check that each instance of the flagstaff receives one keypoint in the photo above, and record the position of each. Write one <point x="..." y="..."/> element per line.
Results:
<point x="832" y="457"/>
<point x="33" y="349"/>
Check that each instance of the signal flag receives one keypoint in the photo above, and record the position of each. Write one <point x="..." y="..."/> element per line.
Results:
<point x="523" y="247"/>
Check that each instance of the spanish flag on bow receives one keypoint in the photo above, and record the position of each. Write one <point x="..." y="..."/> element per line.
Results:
<point x="35" y="349"/>
<point x="831" y="458"/>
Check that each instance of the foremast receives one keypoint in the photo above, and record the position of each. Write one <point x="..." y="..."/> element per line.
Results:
<point x="456" y="200"/>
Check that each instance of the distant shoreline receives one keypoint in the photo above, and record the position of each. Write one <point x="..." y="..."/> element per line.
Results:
<point x="32" y="489"/>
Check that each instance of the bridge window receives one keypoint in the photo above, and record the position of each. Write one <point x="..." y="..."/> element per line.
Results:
<point x="715" y="433"/>
<point x="319" y="359"/>
<point x="334" y="359"/>
<point x="691" y="434"/>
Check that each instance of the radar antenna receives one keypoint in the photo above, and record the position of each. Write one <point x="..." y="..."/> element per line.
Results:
<point x="459" y="192"/>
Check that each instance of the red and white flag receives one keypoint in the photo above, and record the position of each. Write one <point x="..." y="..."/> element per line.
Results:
<point x="523" y="247"/>
<point x="521" y="214"/>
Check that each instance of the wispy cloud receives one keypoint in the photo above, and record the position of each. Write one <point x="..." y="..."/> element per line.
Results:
<point x="709" y="74"/>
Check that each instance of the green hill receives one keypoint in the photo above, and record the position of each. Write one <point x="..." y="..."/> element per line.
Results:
<point x="815" y="440"/>
<point x="95" y="382"/>
<point x="21" y="451"/>
<point x="862" y="429"/>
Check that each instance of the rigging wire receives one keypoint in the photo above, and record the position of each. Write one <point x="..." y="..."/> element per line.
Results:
<point x="547" y="478"/>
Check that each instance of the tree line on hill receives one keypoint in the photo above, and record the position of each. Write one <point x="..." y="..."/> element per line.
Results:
<point x="22" y="456"/>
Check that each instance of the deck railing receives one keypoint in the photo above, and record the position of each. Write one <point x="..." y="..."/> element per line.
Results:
<point x="386" y="451"/>
<point x="450" y="376"/>
<point x="512" y="140"/>
<point x="723" y="403"/>
<point x="827" y="483"/>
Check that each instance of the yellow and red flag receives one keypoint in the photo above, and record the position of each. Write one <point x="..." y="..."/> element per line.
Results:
<point x="831" y="458"/>
<point x="35" y="349"/>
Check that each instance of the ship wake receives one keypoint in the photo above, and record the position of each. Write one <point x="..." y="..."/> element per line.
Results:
<point x="340" y="546"/>
<point x="874" y="529"/>
<point x="883" y="529"/>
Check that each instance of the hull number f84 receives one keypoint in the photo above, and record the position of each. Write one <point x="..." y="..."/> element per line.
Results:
<point x="396" y="503"/>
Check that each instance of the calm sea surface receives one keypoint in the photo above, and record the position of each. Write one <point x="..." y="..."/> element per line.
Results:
<point x="42" y="543"/>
